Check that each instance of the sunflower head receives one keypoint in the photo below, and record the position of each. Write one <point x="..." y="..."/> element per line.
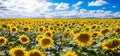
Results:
<point x="13" y="29"/>
<point x="24" y="39"/>
<point x="96" y="34"/>
<point x="35" y="52"/>
<point x="117" y="30"/>
<point x="46" y="42"/>
<point x="3" y="41"/>
<point x="70" y="53"/>
<point x="41" y="29"/>
<point x="5" y="27"/>
<point x="17" y="51"/>
<point x="83" y="39"/>
<point x="11" y="43"/>
<point x="105" y="31"/>
<point x="111" y="44"/>
<point x="39" y="37"/>
<point x="48" y="33"/>
<point x="26" y="29"/>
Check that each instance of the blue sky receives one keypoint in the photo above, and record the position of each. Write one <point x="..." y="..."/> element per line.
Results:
<point x="59" y="8"/>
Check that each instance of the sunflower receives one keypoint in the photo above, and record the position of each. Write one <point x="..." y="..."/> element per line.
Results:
<point x="24" y="39"/>
<point x="39" y="37"/>
<point x="5" y="27"/>
<point x="13" y="29"/>
<point x="17" y="51"/>
<point x="3" y="41"/>
<point x="51" y="27"/>
<point x="87" y="28"/>
<point x="48" y="33"/>
<point x="83" y="39"/>
<point x="111" y="44"/>
<point x="46" y="42"/>
<point x="41" y="29"/>
<point x="26" y="29"/>
<point x="11" y="43"/>
<point x="70" y="53"/>
<point x="105" y="31"/>
<point x="75" y="31"/>
<point x="117" y="30"/>
<point x="35" y="53"/>
<point x="59" y="29"/>
<point x="96" y="34"/>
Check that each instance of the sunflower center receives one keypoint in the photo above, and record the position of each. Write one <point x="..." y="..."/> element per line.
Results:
<point x="117" y="30"/>
<point x="25" y="29"/>
<point x="13" y="29"/>
<point x="11" y="44"/>
<point x="2" y="40"/>
<point x="35" y="54"/>
<point x="51" y="28"/>
<point x="94" y="35"/>
<point x="19" y="53"/>
<point x="46" y="41"/>
<point x="93" y="27"/>
<point x="114" y="44"/>
<point x="83" y="37"/>
<point x="49" y="34"/>
<point x="105" y="31"/>
<point x="41" y="29"/>
<point x="4" y="26"/>
<point x="24" y="39"/>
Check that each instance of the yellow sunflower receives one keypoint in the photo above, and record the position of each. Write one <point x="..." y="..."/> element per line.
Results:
<point x="5" y="27"/>
<point x="111" y="44"/>
<point x="46" y="42"/>
<point x="26" y="29"/>
<point x="3" y="41"/>
<point x="24" y="39"/>
<point x="13" y="29"/>
<point x="48" y="33"/>
<point x="39" y="37"/>
<point x="117" y="30"/>
<point x="17" y="51"/>
<point x="70" y="53"/>
<point x="60" y="29"/>
<point x="35" y="53"/>
<point x="41" y="29"/>
<point x="105" y="31"/>
<point x="11" y="43"/>
<point x="51" y="27"/>
<point x="96" y="34"/>
<point x="83" y="39"/>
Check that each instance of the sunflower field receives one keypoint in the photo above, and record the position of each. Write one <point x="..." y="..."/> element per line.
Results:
<point x="59" y="37"/>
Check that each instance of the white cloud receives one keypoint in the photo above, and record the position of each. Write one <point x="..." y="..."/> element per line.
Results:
<point x="114" y="6"/>
<point x="76" y="6"/>
<point x="97" y="3"/>
<point x="62" y="6"/>
<point x="41" y="8"/>
<point x="28" y="6"/>
<point x="98" y="14"/>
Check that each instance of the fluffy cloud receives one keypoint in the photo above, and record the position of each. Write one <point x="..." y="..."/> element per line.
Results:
<point x="76" y="6"/>
<point x="98" y="14"/>
<point x="62" y="6"/>
<point x="97" y="3"/>
<point x="114" y="6"/>
<point x="41" y="8"/>
<point x="28" y="6"/>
